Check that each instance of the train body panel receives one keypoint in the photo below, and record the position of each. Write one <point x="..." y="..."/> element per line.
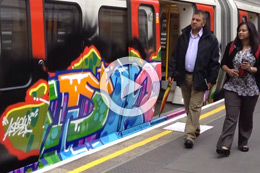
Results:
<point x="206" y="2"/>
<point x="245" y="5"/>
<point x="54" y="52"/>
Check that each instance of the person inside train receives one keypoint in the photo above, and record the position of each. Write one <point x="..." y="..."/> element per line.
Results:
<point x="241" y="89"/>
<point x="194" y="66"/>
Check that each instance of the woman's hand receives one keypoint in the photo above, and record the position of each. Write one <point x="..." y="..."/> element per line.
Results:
<point x="230" y="72"/>
<point x="246" y="66"/>
<point x="233" y="72"/>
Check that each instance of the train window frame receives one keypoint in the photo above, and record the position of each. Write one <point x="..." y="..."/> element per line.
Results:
<point x="244" y="18"/>
<point x="78" y="28"/>
<point x="148" y="52"/>
<point x="125" y="39"/>
<point x="208" y="22"/>
<point x="209" y="10"/>
<point x="258" y="21"/>
<point x="27" y="75"/>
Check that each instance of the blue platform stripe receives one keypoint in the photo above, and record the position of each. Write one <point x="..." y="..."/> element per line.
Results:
<point x="135" y="129"/>
<point x="158" y="120"/>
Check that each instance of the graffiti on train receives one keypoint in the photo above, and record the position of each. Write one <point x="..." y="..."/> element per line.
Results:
<point x="22" y="123"/>
<point x="78" y="119"/>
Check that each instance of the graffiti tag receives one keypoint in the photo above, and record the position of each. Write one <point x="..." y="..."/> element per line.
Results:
<point x="20" y="125"/>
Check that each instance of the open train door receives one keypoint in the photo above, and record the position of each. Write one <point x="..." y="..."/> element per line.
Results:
<point x="23" y="83"/>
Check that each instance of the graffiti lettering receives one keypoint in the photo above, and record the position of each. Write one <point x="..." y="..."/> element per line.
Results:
<point x="76" y="84"/>
<point x="20" y="126"/>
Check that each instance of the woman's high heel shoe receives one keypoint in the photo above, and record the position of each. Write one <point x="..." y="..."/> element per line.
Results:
<point x="244" y="148"/>
<point x="223" y="152"/>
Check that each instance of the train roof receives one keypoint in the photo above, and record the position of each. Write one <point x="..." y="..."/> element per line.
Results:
<point x="207" y="2"/>
<point x="248" y="5"/>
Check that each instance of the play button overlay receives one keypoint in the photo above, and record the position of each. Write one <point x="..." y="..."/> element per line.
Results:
<point x="138" y="84"/>
<point x="135" y="86"/>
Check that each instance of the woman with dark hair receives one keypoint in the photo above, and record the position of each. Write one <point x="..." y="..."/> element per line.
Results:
<point x="241" y="87"/>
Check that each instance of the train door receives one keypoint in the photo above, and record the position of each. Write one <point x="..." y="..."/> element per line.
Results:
<point x="170" y="27"/>
<point x="254" y="18"/>
<point x="144" y="26"/>
<point x="170" y="30"/>
<point x="143" y="29"/>
<point x="249" y="16"/>
<point x="68" y="87"/>
<point x="242" y="16"/>
<point x="23" y="82"/>
<point x="174" y="16"/>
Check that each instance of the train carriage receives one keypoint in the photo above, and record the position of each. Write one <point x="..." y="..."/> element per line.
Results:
<point x="54" y="52"/>
<point x="51" y="106"/>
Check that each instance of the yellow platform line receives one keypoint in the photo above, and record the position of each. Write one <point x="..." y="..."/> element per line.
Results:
<point x="134" y="146"/>
<point x="212" y="112"/>
<point x="120" y="152"/>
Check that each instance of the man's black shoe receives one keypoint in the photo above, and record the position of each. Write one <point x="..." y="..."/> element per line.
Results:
<point x="188" y="144"/>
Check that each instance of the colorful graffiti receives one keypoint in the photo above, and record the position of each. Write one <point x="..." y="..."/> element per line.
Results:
<point x="22" y="123"/>
<point x="78" y="120"/>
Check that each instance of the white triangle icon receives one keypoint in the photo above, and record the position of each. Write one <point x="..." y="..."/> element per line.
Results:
<point x="130" y="84"/>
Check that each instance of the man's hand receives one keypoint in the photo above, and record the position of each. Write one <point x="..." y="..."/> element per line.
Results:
<point x="210" y="86"/>
<point x="170" y="79"/>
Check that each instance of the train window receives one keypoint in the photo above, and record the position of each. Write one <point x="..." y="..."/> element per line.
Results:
<point x="209" y="11"/>
<point x="244" y="18"/>
<point x="14" y="44"/>
<point x="113" y="33"/>
<point x="63" y="33"/>
<point x="147" y="28"/>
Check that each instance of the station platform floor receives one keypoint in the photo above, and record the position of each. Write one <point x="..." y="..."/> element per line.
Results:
<point x="160" y="149"/>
